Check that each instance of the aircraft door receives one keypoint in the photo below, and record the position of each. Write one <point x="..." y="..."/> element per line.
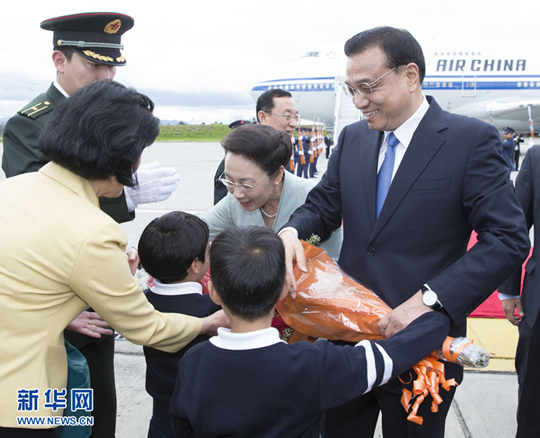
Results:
<point x="468" y="86"/>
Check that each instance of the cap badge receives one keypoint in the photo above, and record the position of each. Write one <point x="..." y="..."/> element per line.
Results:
<point x="113" y="26"/>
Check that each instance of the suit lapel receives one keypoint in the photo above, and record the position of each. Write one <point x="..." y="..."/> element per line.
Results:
<point x="425" y="143"/>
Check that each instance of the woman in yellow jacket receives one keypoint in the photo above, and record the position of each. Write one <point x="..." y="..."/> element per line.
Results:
<point x="60" y="254"/>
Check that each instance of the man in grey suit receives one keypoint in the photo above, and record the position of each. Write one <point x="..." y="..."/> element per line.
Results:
<point x="410" y="183"/>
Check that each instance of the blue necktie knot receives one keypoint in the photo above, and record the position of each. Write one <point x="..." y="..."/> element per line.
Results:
<point x="384" y="179"/>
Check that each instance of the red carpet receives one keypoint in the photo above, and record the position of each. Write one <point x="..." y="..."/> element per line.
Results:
<point x="491" y="308"/>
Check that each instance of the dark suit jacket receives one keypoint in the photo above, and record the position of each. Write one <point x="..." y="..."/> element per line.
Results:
<point x="527" y="191"/>
<point x="21" y="153"/>
<point x="452" y="180"/>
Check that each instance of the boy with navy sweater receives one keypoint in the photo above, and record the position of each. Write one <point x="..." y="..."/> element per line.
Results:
<point x="174" y="250"/>
<point x="246" y="382"/>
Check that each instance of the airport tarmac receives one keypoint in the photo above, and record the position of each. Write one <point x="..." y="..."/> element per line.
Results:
<point x="484" y="406"/>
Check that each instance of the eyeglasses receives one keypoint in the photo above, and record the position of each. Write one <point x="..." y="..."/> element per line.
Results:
<point x="244" y="187"/>
<point x="288" y="117"/>
<point x="363" y="88"/>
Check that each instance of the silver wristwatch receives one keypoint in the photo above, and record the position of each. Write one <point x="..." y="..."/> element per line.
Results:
<point x="430" y="298"/>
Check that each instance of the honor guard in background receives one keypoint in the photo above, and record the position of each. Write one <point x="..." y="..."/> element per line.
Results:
<point x="275" y="108"/>
<point x="86" y="50"/>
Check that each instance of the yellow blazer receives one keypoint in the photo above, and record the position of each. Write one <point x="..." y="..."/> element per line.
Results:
<point x="60" y="254"/>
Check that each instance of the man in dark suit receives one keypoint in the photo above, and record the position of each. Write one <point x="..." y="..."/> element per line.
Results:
<point x="445" y="179"/>
<point x="328" y="142"/>
<point x="528" y="305"/>
<point x="508" y="147"/>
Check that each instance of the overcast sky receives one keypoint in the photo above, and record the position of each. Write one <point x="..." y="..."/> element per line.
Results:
<point x="199" y="59"/>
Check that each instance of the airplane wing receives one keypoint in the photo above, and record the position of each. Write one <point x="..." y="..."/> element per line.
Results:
<point x="501" y="108"/>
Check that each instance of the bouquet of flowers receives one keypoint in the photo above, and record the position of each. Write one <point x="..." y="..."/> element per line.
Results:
<point x="329" y="304"/>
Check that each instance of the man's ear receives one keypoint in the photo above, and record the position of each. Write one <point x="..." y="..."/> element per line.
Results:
<point x="412" y="73"/>
<point x="60" y="61"/>
<point x="213" y="294"/>
<point x="262" y="116"/>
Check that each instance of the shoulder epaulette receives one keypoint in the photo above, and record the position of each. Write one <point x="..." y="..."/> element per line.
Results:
<point x="35" y="109"/>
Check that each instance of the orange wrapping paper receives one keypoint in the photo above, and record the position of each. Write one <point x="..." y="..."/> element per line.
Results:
<point x="331" y="305"/>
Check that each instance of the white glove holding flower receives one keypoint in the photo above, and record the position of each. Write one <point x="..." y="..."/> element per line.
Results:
<point x="156" y="183"/>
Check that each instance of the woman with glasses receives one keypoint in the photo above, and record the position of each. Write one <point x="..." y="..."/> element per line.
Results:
<point x="260" y="191"/>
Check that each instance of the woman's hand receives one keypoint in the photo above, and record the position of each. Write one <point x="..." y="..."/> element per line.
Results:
<point x="90" y="324"/>
<point x="213" y="322"/>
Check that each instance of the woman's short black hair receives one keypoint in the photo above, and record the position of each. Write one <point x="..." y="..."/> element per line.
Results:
<point x="100" y="131"/>
<point x="261" y="144"/>
<point x="247" y="268"/>
<point x="171" y="243"/>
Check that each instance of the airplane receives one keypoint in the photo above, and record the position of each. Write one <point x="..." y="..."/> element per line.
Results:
<point x="498" y="83"/>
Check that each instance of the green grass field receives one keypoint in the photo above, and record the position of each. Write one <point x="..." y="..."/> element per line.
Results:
<point x="203" y="133"/>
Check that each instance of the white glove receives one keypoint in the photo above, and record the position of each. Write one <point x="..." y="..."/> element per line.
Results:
<point x="156" y="184"/>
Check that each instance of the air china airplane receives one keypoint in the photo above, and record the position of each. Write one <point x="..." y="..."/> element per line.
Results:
<point x="494" y="82"/>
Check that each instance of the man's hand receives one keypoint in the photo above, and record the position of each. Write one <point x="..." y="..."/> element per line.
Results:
<point x="403" y="315"/>
<point x="509" y="306"/>
<point x="293" y="251"/>
<point x="90" y="324"/>
<point x="156" y="183"/>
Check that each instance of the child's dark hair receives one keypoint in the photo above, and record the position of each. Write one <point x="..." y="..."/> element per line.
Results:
<point x="170" y="243"/>
<point x="248" y="270"/>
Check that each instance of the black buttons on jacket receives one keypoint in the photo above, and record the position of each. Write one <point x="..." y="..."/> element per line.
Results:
<point x="371" y="251"/>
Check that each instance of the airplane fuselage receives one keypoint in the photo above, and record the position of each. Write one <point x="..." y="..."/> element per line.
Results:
<point x="496" y="84"/>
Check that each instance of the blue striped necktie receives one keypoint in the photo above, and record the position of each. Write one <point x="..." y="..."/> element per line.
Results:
<point x="384" y="178"/>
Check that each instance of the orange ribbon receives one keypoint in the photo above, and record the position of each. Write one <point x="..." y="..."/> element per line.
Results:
<point x="446" y="349"/>
<point x="430" y="374"/>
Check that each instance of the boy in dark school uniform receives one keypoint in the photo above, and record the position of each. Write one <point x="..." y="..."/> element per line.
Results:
<point x="174" y="250"/>
<point x="246" y="382"/>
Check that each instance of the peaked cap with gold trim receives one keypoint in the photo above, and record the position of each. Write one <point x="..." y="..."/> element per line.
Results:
<point x="93" y="35"/>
